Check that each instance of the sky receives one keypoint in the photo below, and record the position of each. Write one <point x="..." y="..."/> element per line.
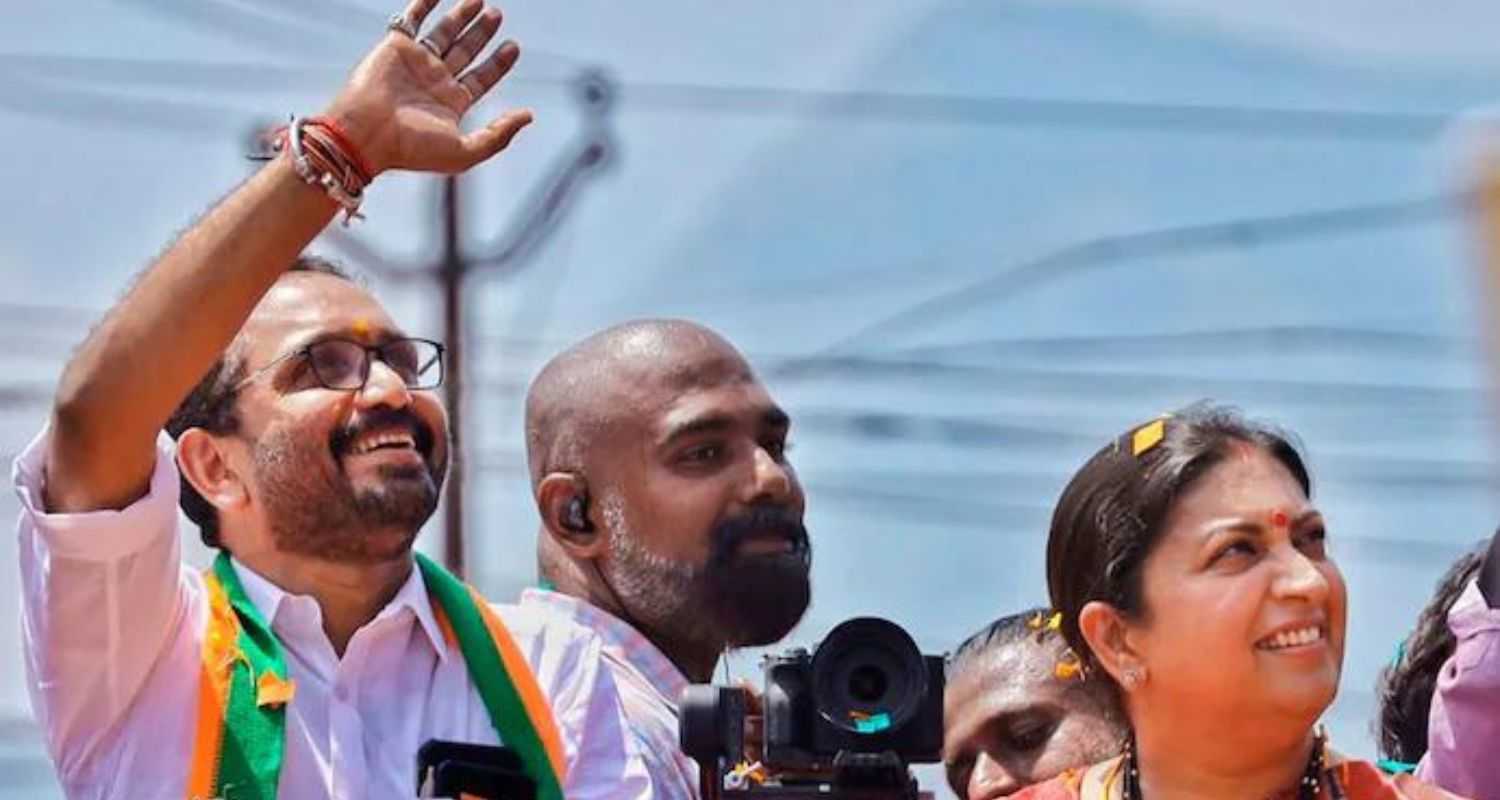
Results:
<point x="1098" y="208"/>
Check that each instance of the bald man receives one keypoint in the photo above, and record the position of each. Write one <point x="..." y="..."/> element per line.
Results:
<point x="671" y="521"/>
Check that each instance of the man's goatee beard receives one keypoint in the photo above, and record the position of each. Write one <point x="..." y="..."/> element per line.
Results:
<point x="762" y="600"/>
<point x="319" y="513"/>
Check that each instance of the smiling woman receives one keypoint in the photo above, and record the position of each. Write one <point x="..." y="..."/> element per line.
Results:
<point x="1191" y="571"/>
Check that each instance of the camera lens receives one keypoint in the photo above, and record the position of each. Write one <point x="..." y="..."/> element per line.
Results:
<point x="868" y="676"/>
<point x="867" y="683"/>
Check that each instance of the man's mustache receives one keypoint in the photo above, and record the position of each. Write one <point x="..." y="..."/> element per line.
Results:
<point x="344" y="437"/>
<point x="761" y="521"/>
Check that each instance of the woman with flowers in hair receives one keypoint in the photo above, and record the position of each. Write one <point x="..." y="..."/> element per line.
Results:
<point x="1192" y="573"/>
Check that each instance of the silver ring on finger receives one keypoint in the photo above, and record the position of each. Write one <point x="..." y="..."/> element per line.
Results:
<point x="400" y="24"/>
<point x="432" y="47"/>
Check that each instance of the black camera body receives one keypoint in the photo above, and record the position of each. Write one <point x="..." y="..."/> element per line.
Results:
<point x="866" y="689"/>
<point x="462" y="769"/>
<point x="849" y="718"/>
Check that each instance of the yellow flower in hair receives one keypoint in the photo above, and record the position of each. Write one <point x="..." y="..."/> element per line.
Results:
<point x="1069" y="666"/>
<point x="1054" y="622"/>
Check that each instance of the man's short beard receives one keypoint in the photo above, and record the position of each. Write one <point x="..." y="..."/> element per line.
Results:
<point x="314" y="512"/>
<point x="729" y="601"/>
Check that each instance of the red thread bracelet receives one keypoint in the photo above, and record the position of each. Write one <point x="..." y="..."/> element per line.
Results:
<point x="341" y="139"/>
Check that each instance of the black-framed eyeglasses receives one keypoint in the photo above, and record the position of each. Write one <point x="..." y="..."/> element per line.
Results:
<point x="344" y="365"/>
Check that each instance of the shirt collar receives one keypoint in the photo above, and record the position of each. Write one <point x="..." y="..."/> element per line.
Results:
<point x="620" y="641"/>
<point x="1470" y="614"/>
<point x="267" y="598"/>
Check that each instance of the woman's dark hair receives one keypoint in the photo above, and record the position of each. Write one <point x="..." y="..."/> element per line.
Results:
<point x="1404" y="687"/>
<point x="1112" y="512"/>
<point x="210" y="406"/>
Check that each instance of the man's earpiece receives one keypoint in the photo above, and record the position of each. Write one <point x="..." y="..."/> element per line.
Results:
<point x="576" y="517"/>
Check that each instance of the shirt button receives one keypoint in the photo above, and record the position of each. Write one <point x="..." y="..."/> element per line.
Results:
<point x="341" y="693"/>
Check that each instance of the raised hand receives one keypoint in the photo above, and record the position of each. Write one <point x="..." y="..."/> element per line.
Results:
<point x="404" y="102"/>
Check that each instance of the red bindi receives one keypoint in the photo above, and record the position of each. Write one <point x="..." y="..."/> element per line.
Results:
<point x="1279" y="518"/>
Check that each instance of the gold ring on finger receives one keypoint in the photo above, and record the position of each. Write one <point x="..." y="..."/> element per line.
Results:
<point x="432" y="47"/>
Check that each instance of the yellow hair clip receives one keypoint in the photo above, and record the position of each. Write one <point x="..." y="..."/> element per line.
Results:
<point x="1148" y="436"/>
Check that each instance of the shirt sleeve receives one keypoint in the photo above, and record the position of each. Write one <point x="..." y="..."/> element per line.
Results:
<point x="1463" y="727"/>
<point x="102" y="592"/>
<point x="601" y="756"/>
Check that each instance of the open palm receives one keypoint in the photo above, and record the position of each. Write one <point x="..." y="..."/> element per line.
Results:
<point x="407" y="103"/>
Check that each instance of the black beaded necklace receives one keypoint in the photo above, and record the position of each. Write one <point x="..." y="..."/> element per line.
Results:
<point x="1307" y="787"/>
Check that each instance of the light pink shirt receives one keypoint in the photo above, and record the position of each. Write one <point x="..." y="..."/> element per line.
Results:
<point x="113" y="623"/>
<point x="650" y="685"/>
<point x="1463" y="724"/>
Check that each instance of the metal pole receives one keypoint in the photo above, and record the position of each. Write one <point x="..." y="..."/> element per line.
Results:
<point x="544" y="211"/>
<point x="451" y="274"/>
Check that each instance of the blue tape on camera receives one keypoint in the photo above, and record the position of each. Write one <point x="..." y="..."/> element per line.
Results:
<point x="1393" y="767"/>
<point x="875" y="723"/>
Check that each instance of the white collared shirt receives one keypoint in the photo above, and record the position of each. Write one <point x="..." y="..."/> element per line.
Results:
<point x="113" y="626"/>
<point x="649" y="683"/>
